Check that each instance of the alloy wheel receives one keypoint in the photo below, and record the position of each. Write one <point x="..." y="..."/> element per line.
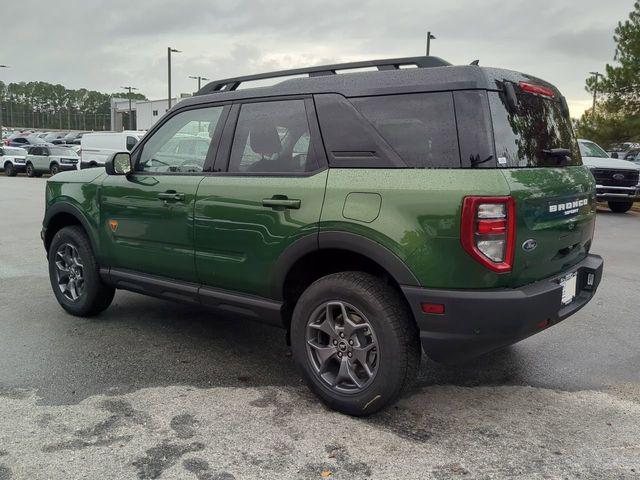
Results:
<point x="69" y="272"/>
<point x="342" y="347"/>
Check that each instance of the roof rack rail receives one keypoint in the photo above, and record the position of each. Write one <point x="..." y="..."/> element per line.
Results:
<point x="230" y="84"/>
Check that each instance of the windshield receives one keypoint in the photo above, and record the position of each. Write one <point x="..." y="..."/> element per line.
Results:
<point x="590" y="149"/>
<point x="532" y="135"/>
<point x="62" y="151"/>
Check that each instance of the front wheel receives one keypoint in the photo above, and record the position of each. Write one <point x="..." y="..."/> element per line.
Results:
<point x="31" y="172"/>
<point x="620" y="207"/>
<point x="74" y="274"/>
<point x="55" y="168"/>
<point x="355" y="342"/>
<point x="9" y="170"/>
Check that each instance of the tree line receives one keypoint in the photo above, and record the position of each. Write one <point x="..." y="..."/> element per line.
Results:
<point x="616" y="118"/>
<point x="44" y="105"/>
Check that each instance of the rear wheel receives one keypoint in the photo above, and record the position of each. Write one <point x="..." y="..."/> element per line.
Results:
<point x="74" y="274"/>
<point x="9" y="170"/>
<point x="355" y="342"/>
<point x="620" y="207"/>
<point x="31" y="172"/>
<point x="54" y="168"/>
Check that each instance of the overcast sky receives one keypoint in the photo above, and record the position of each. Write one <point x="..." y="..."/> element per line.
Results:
<point x="102" y="45"/>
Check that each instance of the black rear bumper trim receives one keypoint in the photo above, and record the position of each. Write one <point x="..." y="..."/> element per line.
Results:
<point x="479" y="321"/>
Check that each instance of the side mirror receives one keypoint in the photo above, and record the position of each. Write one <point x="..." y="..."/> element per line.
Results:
<point x="614" y="155"/>
<point x="119" y="163"/>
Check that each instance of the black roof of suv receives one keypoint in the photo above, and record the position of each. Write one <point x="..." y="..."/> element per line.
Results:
<point x="429" y="74"/>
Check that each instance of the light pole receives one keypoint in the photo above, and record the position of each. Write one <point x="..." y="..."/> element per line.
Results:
<point x="1" y="98"/>
<point x="429" y="38"/>
<point x="595" y="92"/>
<point x="129" y="95"/>
<point x="199" y="79"/>
<point x="169" y="52"/>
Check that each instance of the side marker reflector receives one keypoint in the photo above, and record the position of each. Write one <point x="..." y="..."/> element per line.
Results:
<point x="436" y="308"/>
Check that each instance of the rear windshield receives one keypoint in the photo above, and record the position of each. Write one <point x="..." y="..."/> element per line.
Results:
<point x="526" y="136"/>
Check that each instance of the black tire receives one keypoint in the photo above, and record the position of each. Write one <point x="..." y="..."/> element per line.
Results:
<point x="54" y="168"/>
<point x="95" y="296"/>
<point x="620" y="207"/>
<point x="10" y="170"/>
<point x="31" y="171"/>
<point x="398" y="350"/>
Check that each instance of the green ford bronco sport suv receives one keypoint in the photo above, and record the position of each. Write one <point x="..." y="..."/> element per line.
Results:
<point x="373" y="215"/>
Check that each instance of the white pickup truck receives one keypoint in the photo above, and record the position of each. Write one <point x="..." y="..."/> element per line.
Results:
<point x="617" y="181"/>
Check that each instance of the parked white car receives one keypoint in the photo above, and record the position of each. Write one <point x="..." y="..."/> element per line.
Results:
<point x="617" y="181"/>
<point x="50" y="160"/>
<point x="12" y="160"/>
<point x="95" y="148"/>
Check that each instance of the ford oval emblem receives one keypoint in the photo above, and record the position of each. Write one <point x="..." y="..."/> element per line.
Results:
<point x="529" y="245"/>
<point x="618" y="176"/>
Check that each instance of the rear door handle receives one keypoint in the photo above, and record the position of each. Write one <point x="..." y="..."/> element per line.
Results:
<point x="171" y="196"/>
<point x="281" y="202"/>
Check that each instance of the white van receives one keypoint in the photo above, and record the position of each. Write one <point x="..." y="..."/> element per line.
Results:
<point x="95" y="148"/>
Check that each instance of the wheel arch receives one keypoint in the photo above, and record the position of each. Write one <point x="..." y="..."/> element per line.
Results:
<point x="61" y="215"/>
<point x="315" y="256"/>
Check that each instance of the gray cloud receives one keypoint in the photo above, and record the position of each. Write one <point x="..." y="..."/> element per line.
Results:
<point x="108" y="43"/>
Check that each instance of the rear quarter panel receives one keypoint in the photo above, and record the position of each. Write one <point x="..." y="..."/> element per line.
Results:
<point x="418" y="220"/>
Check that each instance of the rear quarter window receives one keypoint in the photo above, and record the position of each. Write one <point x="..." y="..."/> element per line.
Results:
<point x="421" y="128"/>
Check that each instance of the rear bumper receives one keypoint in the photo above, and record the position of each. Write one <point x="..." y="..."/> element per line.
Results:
<point x="606" y="193"/>
<point x="479" y="321"/>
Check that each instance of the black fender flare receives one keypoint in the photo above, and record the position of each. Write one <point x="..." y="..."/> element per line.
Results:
<point x="340" y="241"/>
<point x="70" y="209"/>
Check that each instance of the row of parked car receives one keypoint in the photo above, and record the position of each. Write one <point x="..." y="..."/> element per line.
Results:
<point x="40" y="157"/>
<point x="26" y="138"/>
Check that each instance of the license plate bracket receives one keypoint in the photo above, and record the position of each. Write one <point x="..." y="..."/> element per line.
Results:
<point x="569" y="285"/>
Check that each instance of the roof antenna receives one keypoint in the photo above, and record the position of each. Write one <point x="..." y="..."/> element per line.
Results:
<point x="475" y="62"/>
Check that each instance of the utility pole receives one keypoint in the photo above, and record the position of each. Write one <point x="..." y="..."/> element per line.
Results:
<point x="1" y="98"/>
<point x="595" y="92"/>
<point x="169" y="52"/>
<point x="429" y="38"/>
<point x="129" y="123"/>
<point x="199" y="79"/>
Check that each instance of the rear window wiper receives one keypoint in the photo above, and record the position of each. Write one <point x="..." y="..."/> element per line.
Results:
<point x="560" y="154"/>
<point x="475" y="160"/>
<point x="557" y="152"/>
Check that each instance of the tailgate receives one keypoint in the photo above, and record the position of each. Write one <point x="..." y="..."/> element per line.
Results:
<point x="555" y="215"/>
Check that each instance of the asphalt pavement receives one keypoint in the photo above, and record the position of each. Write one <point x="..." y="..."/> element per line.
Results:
<point x="152" y="389"/>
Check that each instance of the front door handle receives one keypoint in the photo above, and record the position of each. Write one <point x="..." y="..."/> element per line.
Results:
<point x="280" y="202"/>
<point x="171" y="196"/>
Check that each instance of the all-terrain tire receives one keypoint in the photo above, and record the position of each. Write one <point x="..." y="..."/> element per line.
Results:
<point x="96" y="295"/>
<point x="398" y="347"/>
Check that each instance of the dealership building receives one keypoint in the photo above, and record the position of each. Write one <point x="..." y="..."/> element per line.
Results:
<point x="144" y="112"/>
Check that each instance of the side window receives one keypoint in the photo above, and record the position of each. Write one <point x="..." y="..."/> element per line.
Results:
<point x="182" y="143"/>
<point x="36" y="151"/>
<point x="272" y="137"/>
<point x="131" y="142"/>
<point x="421" y="127"/>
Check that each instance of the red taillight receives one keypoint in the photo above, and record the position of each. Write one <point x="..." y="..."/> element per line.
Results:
<point x="487" y="231"/>
<point x="537" y="89"/>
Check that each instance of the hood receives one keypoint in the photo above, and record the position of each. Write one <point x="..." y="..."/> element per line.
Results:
<point x="598" y="162"/>
<point x="78" y="176"/>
